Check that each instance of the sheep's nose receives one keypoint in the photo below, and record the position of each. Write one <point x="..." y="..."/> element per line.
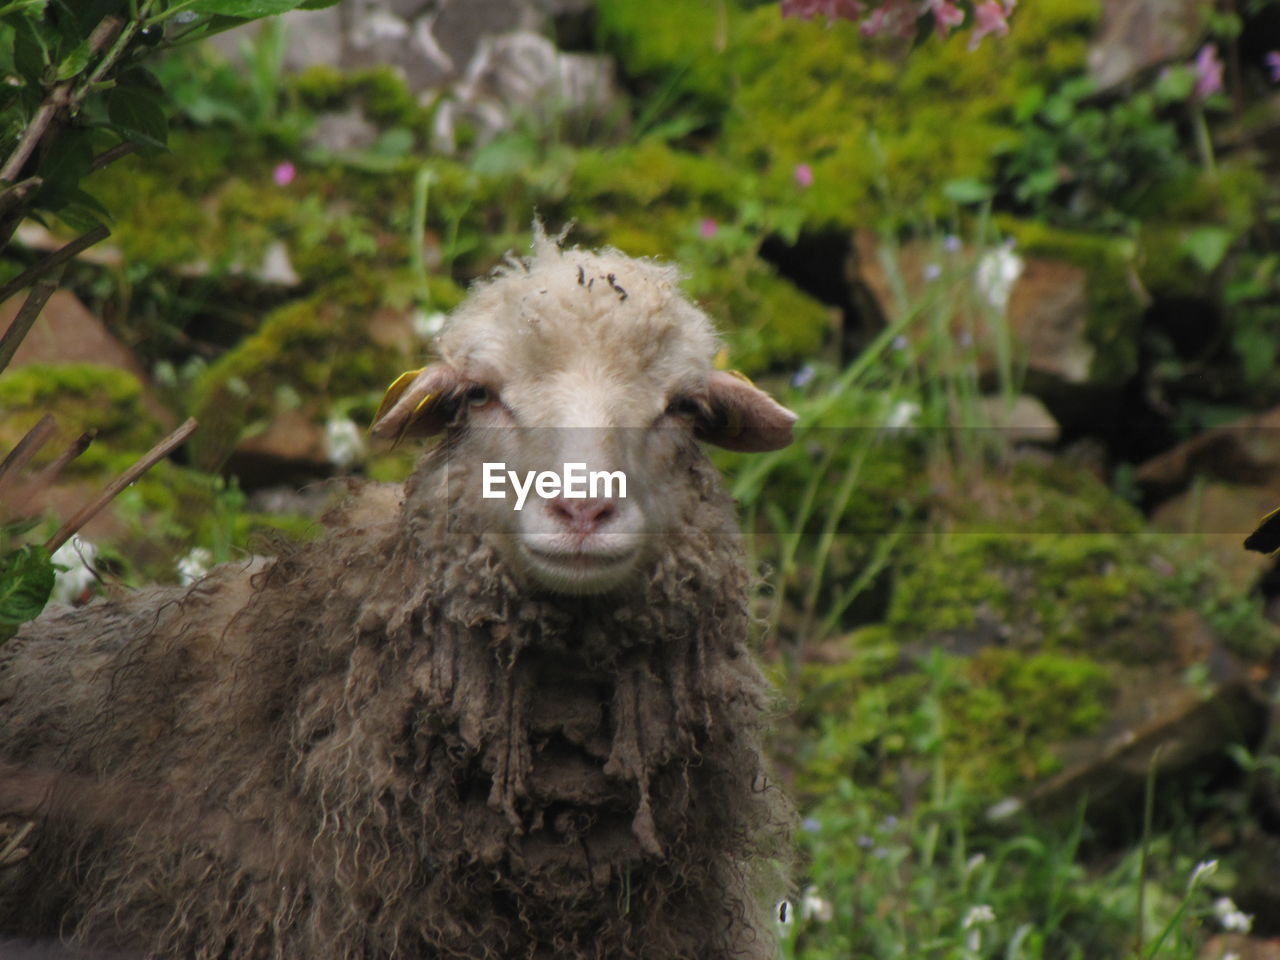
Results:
<point x="583" y="516"/>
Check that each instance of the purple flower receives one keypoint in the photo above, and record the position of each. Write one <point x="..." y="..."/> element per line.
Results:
<point x="951" y="243"/>
<point x="811" y="825"/>
<point x="804" y="175"/>
<point x="804" y="376"/>
<point x="932" y="272"/>
<point x="1208" y="71"/>
<point x="900" y="343"/>
<point x="707" y="228"/>
<point x="1272" y="60"/>
<point x="284" y="173"/>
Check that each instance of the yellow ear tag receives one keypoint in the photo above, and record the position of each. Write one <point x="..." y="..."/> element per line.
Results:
<point x="398" y="387"/>
<point x="741" y="376"/>
<point x="721" y="360"/>
<point x="1266" y="539"/>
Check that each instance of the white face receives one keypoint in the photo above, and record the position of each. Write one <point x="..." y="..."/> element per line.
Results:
<point x="588" y="466"/>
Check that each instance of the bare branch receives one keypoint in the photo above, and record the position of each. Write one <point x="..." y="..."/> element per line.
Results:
<point x="27" y="448"/>
<point x="145" y="463"/>
<point x="22" y="323"/>
<point x="55" y="259"/>
<point x="112" y="154"/>
<point x="14" y="195"/>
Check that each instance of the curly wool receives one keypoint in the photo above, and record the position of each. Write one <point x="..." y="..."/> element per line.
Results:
<point x="382" y="746"/>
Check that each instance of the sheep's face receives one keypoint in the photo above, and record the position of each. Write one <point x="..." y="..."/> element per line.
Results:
<point x="574" y="392"/>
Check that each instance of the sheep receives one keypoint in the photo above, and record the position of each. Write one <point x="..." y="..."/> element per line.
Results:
<point x="448" y="729"/>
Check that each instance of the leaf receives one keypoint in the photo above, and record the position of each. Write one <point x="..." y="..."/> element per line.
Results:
<point x="245" y="9"/>
<point x="967" y="191"/>
<point x="30" y="48"/>
<point x="26" y="581"/>
<point x="74" y="62"/>
<point x="1207" y="246"/>
<point x="138" y="114"/>
<point x="318" y="4"/>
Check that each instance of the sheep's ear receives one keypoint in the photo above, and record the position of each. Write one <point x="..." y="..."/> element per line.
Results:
<point x="741" y="416"/>
<point x="416" y="404"/>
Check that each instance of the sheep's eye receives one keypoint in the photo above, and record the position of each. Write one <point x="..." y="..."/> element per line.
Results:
<point x="683" y="407"/>
<point x="478" y="396"/>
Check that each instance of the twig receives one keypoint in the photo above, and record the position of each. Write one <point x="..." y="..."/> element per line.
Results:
<point x="45" y="478"/>
<point x="58" y="98"/>
<point x="112" y="154"/>
<point x="18" y="192"/>
<point x="144" y="463"/>
<point x="22" y="323"/>
<point x="55" y="259"/>
<point x="108" y="31"/>
<point x="27" y="448"/>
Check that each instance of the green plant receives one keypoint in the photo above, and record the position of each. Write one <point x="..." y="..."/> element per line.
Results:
<point x="76" y="99"/>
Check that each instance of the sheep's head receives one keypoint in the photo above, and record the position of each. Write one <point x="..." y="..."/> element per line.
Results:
<point x="575" y="357"/>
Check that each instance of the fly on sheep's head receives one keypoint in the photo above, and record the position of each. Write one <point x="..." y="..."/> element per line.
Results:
<point x="542" y="370"/>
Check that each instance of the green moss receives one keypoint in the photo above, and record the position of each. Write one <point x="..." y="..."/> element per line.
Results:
<point x="858" y="113"/>
<point x="767" y="322"/>
<point x="81" y="397"/>
<point x="1116" y="306"/>
<point x="1104" y="594"/>
<point x="316" y="350"/>
<point x="382" y="92"/>
<point x="993" y="719"/>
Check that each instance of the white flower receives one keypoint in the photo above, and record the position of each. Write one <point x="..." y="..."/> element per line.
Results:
<point x="77" y="556"/>
<point x="1232" y="917"/>
<point x="998" y="271"/>
<point x="814" y="907"/>
<point x="974" y="862"/>
<point x="903" y="414"/>
<point x="932" y="271"/>
<point x="194" y="565"/>
<point x="343" y="441"/>
<point x="978" y="914"/>
<point x="426" y="325"/>
<point x="1203" y="869"/>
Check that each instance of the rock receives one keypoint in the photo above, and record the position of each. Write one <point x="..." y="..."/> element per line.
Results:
<point x="1245" y="452"/>
<point x="1027" y="421"/>
<point x="1224" y="514"/>
<point x="291" y="449"/>
<point x="341" y="132"/>
<point x="1137" y="35"/>
<point x="1048" y="304"/>
<point x="1241" y="946"/>
<point x="490" y="59"/>
<point x="66" y="332"/>
<point x="522" y="74"/>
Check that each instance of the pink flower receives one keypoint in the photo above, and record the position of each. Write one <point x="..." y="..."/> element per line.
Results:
<point x="831" y="9"/>
<point x="945" y="15"/>
<point x="707" y="228"/>
<point x="284" y="173"/>
<point x="1272" y="61"/>
<point x="1208" y="71"/>
<point x="894" y="17"/>
<point x="804" y="175"/>
<point x="989" y="17"/>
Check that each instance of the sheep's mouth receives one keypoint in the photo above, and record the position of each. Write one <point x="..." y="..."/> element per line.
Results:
<point x="580" y="570"/>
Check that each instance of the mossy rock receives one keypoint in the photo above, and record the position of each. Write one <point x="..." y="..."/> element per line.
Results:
<point x="1113" y="327"/>
<point x="308" y="353"/>
<point x="992" y="720"/>
<point x="1012" y="640"/>
<point x="857" y="112"/>
<point x="81" y="397"/>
